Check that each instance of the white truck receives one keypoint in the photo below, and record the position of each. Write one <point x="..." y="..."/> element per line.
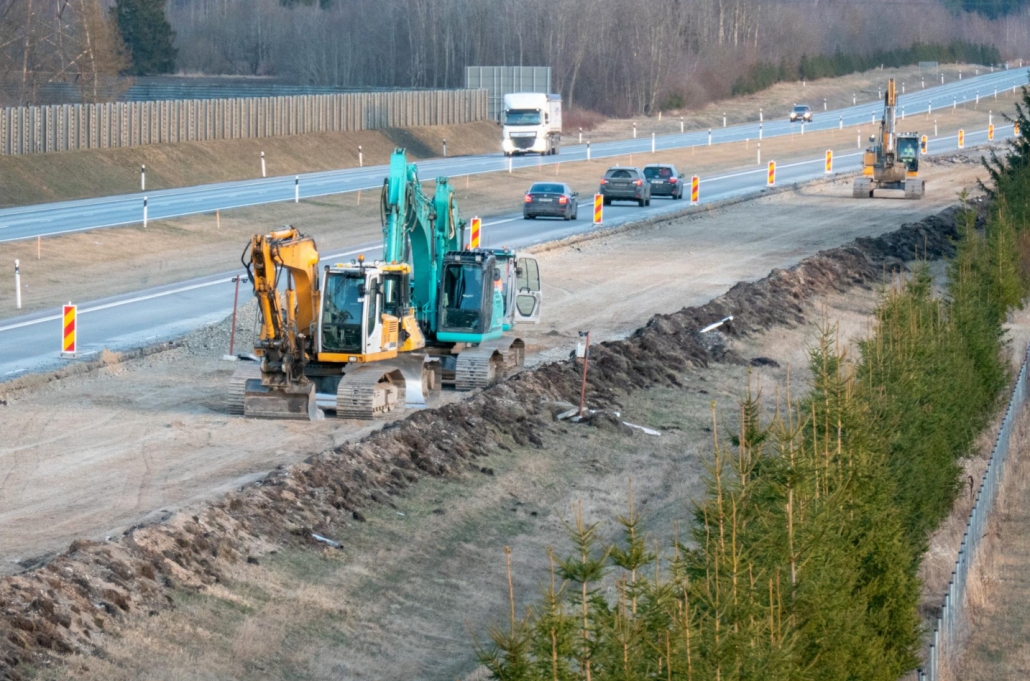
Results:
<point x="532" y="123"/>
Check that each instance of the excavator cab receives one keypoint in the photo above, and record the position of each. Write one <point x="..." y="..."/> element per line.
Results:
<point x="908" y="151"/>
<point x="362" y="312"/>
<point x="471" y="298"/>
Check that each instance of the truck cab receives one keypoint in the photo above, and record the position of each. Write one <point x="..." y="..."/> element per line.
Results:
<point x="531" y="123"/>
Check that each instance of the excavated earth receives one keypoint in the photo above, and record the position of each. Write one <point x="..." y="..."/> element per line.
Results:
<point x="86" y="594"/>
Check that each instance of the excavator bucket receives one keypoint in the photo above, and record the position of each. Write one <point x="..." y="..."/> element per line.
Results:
<point x="249" y="397"/>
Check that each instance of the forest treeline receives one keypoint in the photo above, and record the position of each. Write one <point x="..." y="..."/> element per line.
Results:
<point x="765" y="74"/>
<point x="614" y="56"/>
<point x="801" y="560"/>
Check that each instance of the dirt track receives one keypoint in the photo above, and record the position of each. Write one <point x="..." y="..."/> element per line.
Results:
<point x="92" y="455"/>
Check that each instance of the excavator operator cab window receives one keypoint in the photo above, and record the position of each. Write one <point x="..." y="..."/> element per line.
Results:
<point x="466" y="295"/>
<point x="908" y="149"/>
<point x="343" y="308"/>
<point x="396" y="294"/>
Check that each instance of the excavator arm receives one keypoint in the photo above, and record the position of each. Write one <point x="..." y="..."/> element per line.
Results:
<point x="287" y="322"/>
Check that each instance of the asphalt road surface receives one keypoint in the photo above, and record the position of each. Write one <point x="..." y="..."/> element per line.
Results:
<point x="27" y="222"/>
<point x="31" y="343"/>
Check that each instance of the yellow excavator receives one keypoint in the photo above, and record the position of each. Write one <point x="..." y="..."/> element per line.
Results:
<point x="892" y="160"/>
<point x="363" y="338"/>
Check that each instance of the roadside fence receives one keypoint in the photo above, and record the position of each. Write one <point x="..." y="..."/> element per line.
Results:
<point x="69" y="127"/>
<point x="951" y="622"/>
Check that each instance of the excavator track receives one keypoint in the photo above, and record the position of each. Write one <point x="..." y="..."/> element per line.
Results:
<point x="915" y="189"/>
<point x="488" y="362"/>
<point x="373" y="389"/>
<point x="238" y="385"/>
<point x="369" y="390"/>
<point x="862" y="188"/>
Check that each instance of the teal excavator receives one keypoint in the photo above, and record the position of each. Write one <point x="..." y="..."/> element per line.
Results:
<point x="364" y="338"/>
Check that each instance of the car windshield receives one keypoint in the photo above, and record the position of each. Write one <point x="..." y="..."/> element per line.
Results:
<point x="522" y="117"/>
<point x="544" y="188"/>
<point x="800" y="109"/>
<point x="620" y="174"/>
<point x="652" y="173"/>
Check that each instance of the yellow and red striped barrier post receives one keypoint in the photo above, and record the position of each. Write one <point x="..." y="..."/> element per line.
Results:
<point x="923" y="145"/>
<point x="990" y="132"/>
<point x="1015" y="128"/>
<point x="961" y="138"/>
<point x="829" y="161"/>
<point x="771" y="182"/>
<point x="476" y="228"/>
<point x="695" y="190"/>
<point x="69" y="333"/>
<point x="598" y="208"/>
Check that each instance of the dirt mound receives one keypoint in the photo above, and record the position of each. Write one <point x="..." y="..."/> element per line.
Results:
<point x="76" y="600"/>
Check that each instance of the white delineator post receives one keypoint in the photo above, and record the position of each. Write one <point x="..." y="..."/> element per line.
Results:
<point x="841" y="126"/>
<point x="634" y="129"/>
<point x="143" y="177"/>
<point x="581" y="135"/>
<point x="935" y="127"/>
<point x="709" y="137"/>
<point x="681" y="117"/>
<point x="760" y="131"/>
<point x="17" y="285"/>
<point x="263" y="174"/>
<point x="144" y="212"/>
<point x="759" y="151"/>
<point x="724" y="119"/>
<point x="361" y="158"/>
<point x="296" y="189"/>
<point x="652" y="142"/>
<point x="588" y="156"/>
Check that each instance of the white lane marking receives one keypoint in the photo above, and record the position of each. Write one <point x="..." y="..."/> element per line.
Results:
<point x="160" y="294"/>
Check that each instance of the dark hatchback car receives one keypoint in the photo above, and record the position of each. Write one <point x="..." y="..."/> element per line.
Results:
<point x="625" y="184"/>
<point x="664" y="180"/>
<point x="552" y="199"/>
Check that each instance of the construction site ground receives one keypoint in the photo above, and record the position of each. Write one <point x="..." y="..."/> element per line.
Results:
<point x="419" y="571"/>
<point x="99" y="263"/>
<point x="90" y="455"/>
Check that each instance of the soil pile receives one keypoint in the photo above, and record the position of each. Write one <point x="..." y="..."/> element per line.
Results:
<point x="81" y="596"/>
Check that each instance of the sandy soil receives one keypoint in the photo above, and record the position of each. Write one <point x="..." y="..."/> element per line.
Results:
<point x="424" y="571"/>
<point x="89" y="456"/>
<point x="100" y="263"/>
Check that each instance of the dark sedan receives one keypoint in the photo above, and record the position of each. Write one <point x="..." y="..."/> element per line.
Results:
<point x="664" y="180"/>
<point x="551" y="199"/>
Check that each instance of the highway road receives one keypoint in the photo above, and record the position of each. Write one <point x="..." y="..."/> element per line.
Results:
<point x="31" y="343"/>
<point x="71" y="216"/>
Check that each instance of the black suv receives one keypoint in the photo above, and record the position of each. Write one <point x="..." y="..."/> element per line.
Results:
<point x="664" y="180"/>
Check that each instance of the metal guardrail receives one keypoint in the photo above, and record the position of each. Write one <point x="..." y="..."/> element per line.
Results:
<point x="951" y="622"/>
<point x="68" y="127"/>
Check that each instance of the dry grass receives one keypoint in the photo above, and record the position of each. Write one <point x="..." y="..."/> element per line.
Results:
<point x="39" y="178"/>
<point x="997" y="642"/>
<point x="91" y="265"/>
<point x="776" y="101"/>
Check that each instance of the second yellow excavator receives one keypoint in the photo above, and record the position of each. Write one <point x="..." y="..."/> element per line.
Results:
<point x="892" y="162"/>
